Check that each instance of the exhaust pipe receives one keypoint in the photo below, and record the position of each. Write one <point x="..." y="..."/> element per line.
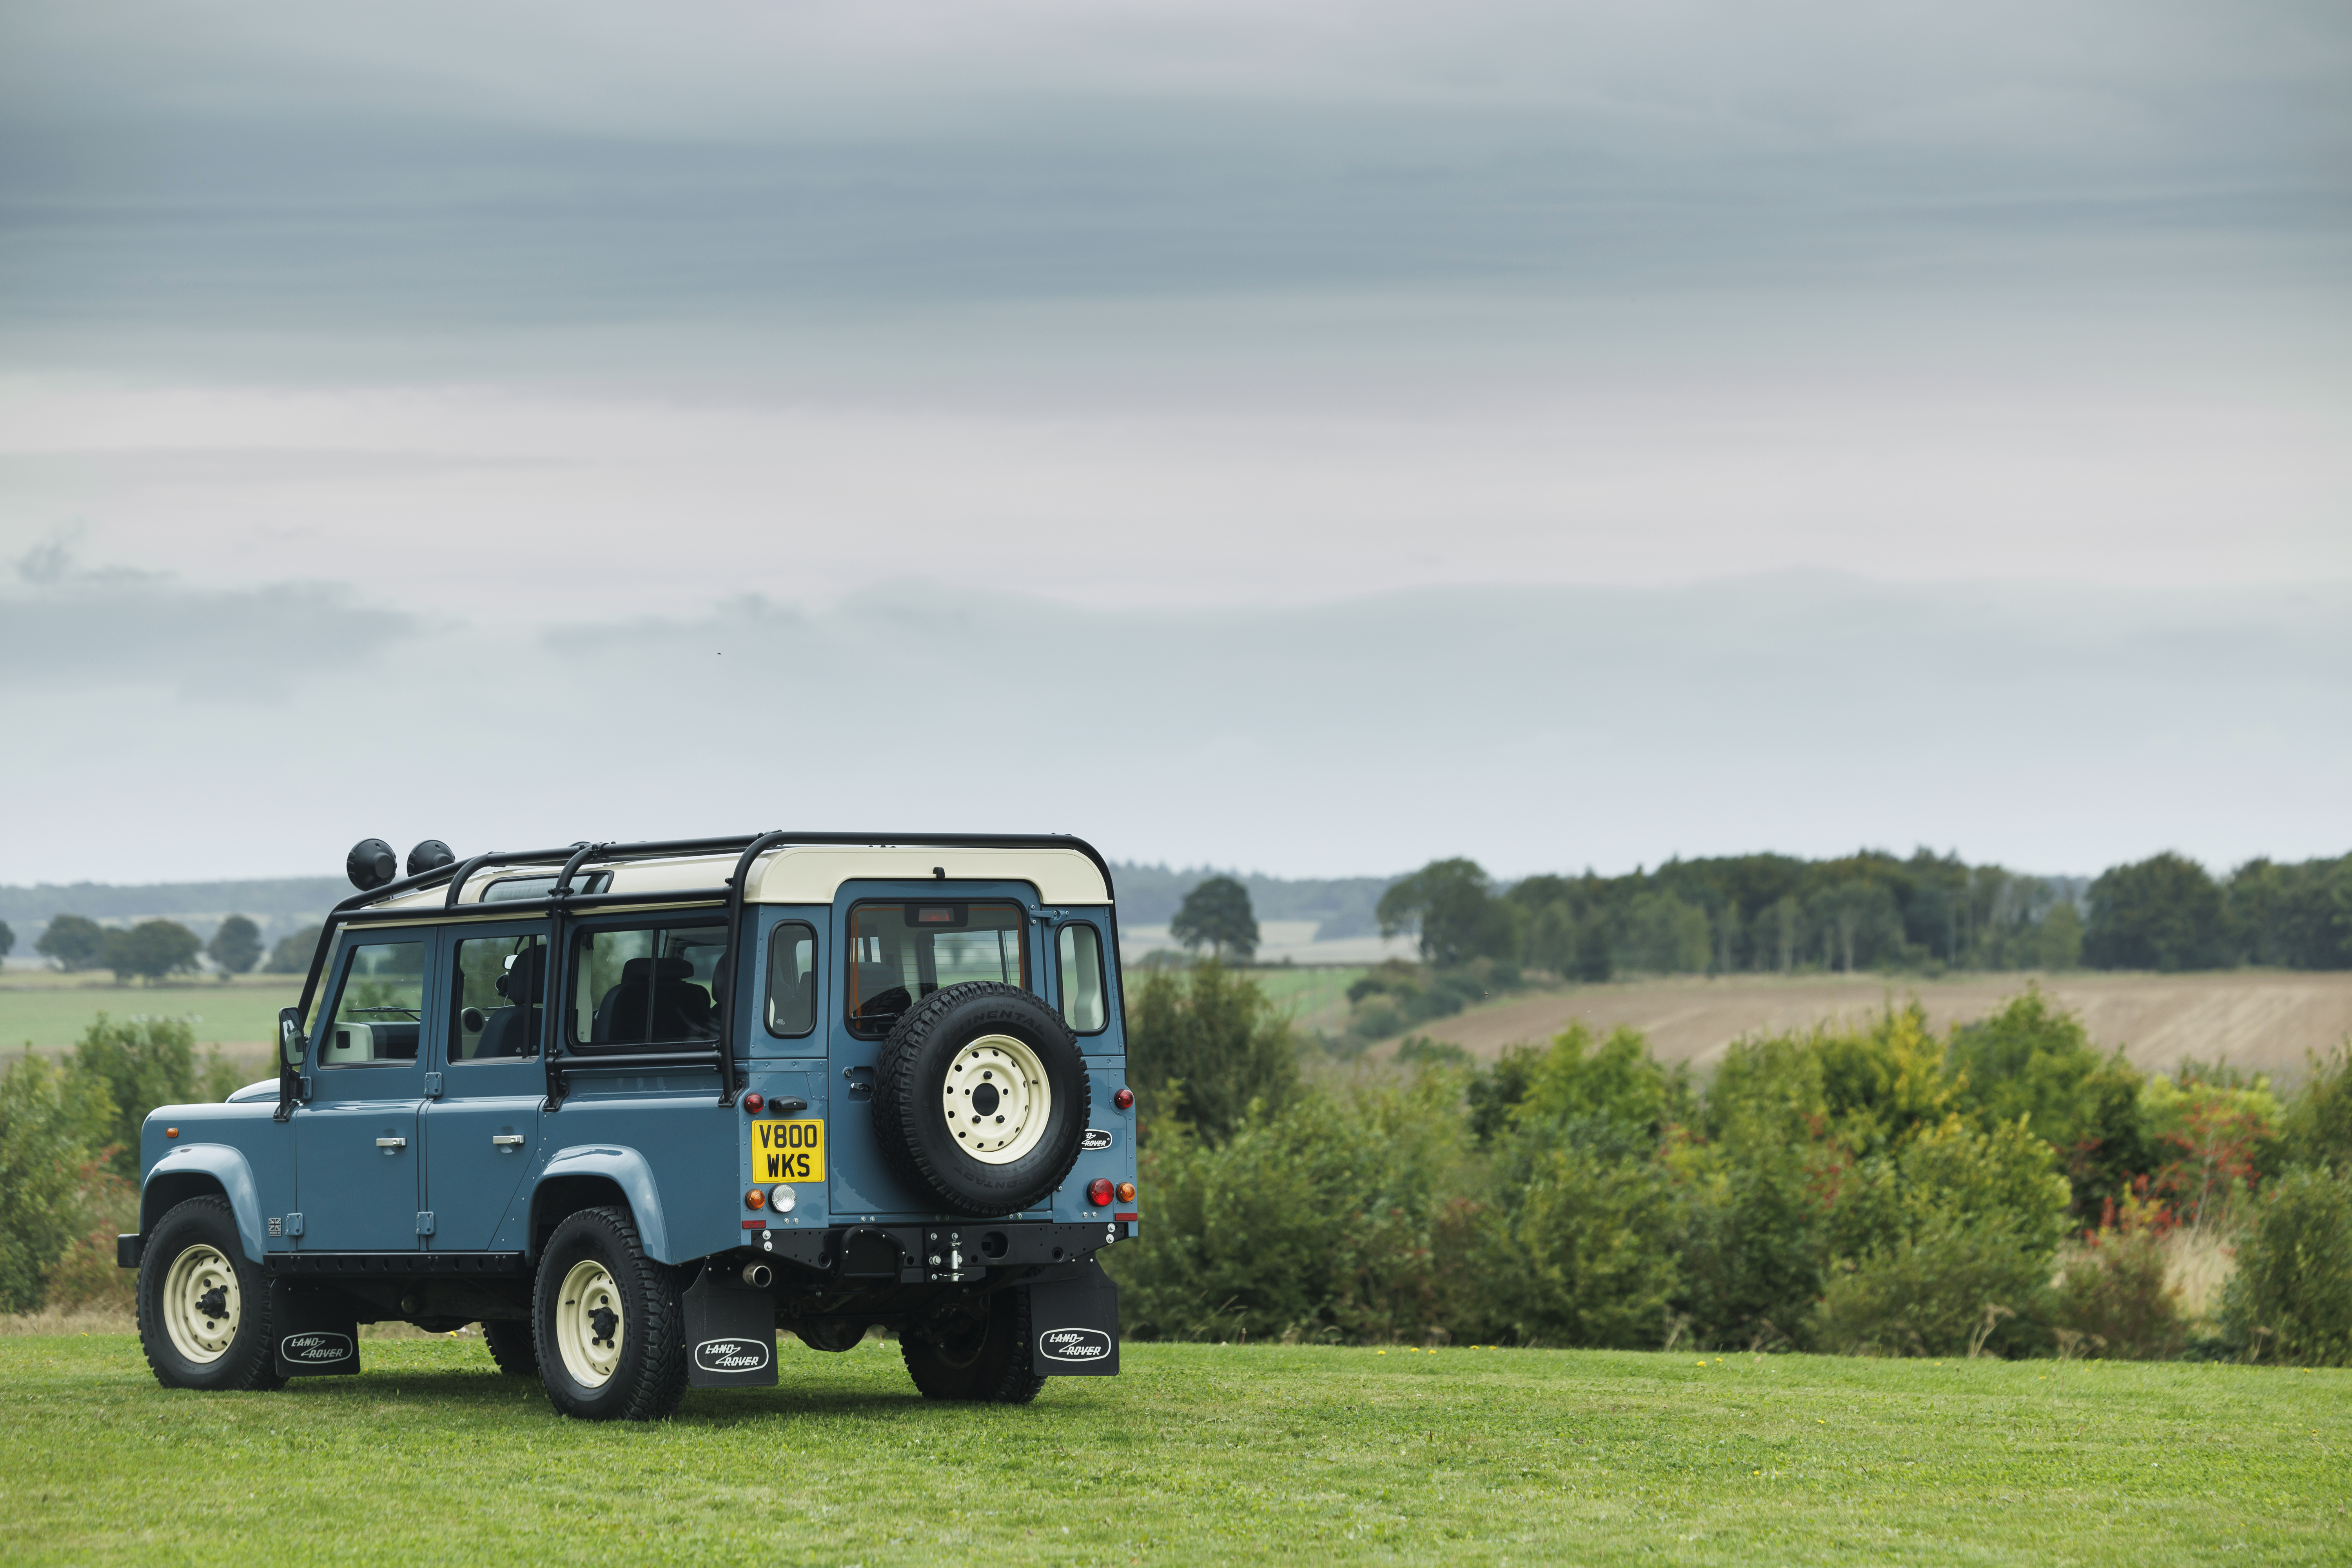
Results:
<point x="759" y="1275"/>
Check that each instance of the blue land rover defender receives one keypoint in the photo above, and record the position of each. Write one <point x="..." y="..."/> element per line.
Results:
<point x="635" y="1106"/>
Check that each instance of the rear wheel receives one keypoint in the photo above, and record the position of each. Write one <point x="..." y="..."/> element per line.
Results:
<point x="511" y="1348"/>
<point x="974" y="1349"/>
<point x="204" y="1310"/>
<point x="608" y="1321"/>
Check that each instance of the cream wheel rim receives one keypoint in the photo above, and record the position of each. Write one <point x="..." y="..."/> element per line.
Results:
<point x="590" y="1327"/>
<point x="202" y="1305"/>
<point x="996" y="1099"/>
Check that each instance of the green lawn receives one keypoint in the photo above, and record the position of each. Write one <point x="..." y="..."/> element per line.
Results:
<point x="1199" y="1454"/>
<point x="48" y="1012"/>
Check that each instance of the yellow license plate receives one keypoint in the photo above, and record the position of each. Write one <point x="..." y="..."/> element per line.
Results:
<point x="788" y="1151"/>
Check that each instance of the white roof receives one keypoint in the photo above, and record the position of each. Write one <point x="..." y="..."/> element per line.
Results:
<point x="814" y="873"/>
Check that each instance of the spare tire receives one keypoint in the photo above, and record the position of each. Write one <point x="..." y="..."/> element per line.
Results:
<point x="980" y="1098"/>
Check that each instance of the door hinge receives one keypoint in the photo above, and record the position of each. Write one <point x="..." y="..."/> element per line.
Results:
<point x="432" y="1085"/>
<point x="425" y="1222"/>
<point x="293" y="1224"/>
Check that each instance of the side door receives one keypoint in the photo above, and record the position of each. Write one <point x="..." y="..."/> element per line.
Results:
<point x="481" y="1132"/>
<point x="355" y="1140"/>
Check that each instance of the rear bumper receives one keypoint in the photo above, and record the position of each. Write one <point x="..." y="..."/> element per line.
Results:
<point x="939" y="1253"/>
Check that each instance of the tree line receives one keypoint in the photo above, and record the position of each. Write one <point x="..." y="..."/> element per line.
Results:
<point x="155" y="949"/>
<point x="2000" y="1189"/>
<point x="1870" y="910"/>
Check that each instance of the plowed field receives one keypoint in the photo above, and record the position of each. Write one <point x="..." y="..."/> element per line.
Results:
<point x="2259" y="1019"/>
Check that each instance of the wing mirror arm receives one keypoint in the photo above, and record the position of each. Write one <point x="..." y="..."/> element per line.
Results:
<point x="290" y="1048"/>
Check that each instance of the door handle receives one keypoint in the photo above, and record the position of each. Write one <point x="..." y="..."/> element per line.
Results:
<point x="391" y="1142"/>
<point x="507" y="1140"/>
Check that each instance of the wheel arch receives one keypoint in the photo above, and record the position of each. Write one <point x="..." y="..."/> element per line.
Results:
<point x="590" y="1176"/>
<point x="194" y="1170"/>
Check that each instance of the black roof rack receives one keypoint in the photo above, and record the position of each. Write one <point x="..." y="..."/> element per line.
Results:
<point x="560" y="899"/>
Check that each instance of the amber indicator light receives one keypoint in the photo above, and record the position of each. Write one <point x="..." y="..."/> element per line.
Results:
<point x="757" y="1198"/>
<point x="1126" y="1191"/>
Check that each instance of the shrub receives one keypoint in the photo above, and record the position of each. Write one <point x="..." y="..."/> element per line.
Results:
<point x="1307" y="1223"/>
<point x="2290" y="1300"/>
<point x="1616" y="1081"/>
<point x="1205" y="1045"/>
<point x="2316" y="1127"/>
<point x="2032" y="1060"/>
<point x="2112" y="1295"/>
<point x="1581" y="1251"/>
<point x="46" y="1119"/>
<point x="1955" y="1287"/>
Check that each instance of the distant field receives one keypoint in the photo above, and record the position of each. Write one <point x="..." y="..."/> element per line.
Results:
<point x="2260" y="1019"/>
<point x="1197" y="1454"/>
<point x="51" y="1011"/>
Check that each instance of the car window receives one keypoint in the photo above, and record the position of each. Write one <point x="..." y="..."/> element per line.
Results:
<point x="792" y="980"/>
<point x="500" y="993"/>
<point x="643" y="986"/>
<point x="1080" y="950"/>
<point x="900" y="953"/>
<point x="379" y="1014"/>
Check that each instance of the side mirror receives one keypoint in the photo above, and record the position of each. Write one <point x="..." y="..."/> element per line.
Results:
<point x="290" y="1035"/>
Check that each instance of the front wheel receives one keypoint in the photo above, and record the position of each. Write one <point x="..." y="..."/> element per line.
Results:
<point x="609" y="1321"/>
<point x="204" y="1310"/>
<point x="974" y="1349"/>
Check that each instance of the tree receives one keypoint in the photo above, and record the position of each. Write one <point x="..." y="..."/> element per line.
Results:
<point x="1202" y="1050"/>
<point x="7" y="939"/>
<point x="1452" y="905"/>
<point x="292" y="954"/>
<point x="236" y="946"/>
<point x="151" y="948"/>
<point x="74" y="941"/>
<point x="140" y="1064"/>
<point x="1218" y="912"/>
<point x="2164" y="913"/>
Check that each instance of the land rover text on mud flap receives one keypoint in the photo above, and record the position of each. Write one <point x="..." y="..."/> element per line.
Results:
<point x="635" y="1106"/>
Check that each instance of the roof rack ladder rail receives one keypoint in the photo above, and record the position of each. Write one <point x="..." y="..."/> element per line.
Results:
<point x="738" y="972"/>
<point x="549" y="1053"/>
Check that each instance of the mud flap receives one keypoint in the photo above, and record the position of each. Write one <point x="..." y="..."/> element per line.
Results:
<point x="318" y="1331"/>
<point x="730" y="1333"/>
<point x="1074" y="1325"/>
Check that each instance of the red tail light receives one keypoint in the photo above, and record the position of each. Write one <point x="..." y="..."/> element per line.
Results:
<point x="1099" y="1192"/>
<point x="754" y="1101"/>
<point x="1124" y="1098"/>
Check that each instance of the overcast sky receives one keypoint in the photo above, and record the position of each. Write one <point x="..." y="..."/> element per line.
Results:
<point x="1310" y="437"/>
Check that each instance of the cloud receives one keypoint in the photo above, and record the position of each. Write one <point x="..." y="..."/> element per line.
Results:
<point x="71" y="629"/>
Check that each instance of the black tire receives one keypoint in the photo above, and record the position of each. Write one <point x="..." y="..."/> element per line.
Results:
<point x="647" y="1374"/>
<point x="513" y="1347"/>
<point x="974" y="1351"/>
<point x="910" y="1074"/>
<point x="200" y="1231"/>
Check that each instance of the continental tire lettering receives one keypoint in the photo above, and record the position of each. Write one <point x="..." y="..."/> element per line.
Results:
<point x="315" y="1349"/>
<point x="732" y="1355"/>
<point x="1074" y="1345"/>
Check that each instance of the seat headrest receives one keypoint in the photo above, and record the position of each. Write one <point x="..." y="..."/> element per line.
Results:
<point x="657" y="968"/>
<point x="522" y="983"/>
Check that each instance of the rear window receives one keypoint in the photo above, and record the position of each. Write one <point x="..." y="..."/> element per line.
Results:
<point x="900" y="953"/>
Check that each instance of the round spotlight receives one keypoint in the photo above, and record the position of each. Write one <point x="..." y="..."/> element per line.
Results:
<point x="430" y="856"/>
<point x="371" y="864"/>
<point x="781" y="1199"/>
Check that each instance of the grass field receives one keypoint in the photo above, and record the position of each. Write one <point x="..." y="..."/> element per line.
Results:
<point x="1198" y="1454"/>
<point x="51" y="1012"/>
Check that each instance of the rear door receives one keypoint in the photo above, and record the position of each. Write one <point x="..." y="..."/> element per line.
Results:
<point x="895" y="944"/>
<point x="356" y="1156"/>
<point x="481" y="1132"/>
